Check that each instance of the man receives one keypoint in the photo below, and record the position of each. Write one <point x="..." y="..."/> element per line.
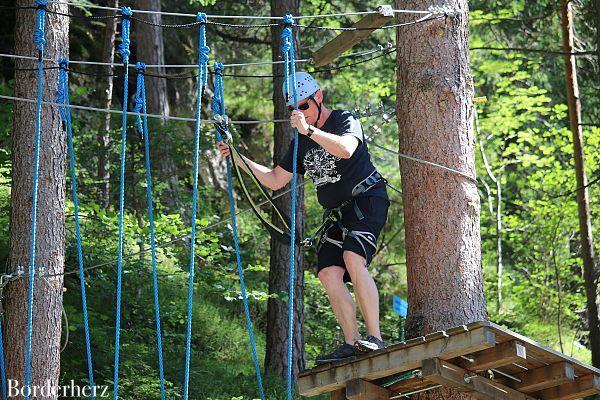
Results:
<point x="332" y="150"/>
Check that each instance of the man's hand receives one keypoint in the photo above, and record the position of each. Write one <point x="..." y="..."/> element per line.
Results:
<point x="224" y="149"/>
<point x="298" y="121"/>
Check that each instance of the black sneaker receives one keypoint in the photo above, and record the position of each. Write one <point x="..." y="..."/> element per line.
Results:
<point x="370" y="343"/>
<point x="342" y="352"/>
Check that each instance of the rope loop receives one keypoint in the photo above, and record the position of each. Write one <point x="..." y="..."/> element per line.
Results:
<point x="126" y="14"/>
<point x="218" y="103"/>
<point x="203" y="51"/>
<point x="140" y="97"/>
<point x="63" y="85"/>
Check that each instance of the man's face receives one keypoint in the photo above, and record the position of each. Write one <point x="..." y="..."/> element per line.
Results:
<point x="312" y="112"/>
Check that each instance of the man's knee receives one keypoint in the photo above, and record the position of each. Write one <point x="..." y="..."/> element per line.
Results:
<point x="331" y="275"/>
<point x="354" y="262"/>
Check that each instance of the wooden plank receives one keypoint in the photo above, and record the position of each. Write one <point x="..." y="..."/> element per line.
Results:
<point x="358" y="389"/>
<point x="347" y="39"/>
<point x="543" y="378"/>
<point x="395" y="361"/>
<point x="584" y="386"/>
<point x="498" y="356"/>
<point x="444" y="373"/>
<point x="339" y="394"/>
<point x="436" y="335"/>
<point x="552" y="356"/>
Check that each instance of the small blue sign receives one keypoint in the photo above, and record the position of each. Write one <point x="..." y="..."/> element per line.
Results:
<point x="400" y="306"/>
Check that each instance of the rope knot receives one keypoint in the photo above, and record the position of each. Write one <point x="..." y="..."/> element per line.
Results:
<point x="201" y="18"/>
<point x="39" y="38"/>
<point x="287" y="35"/>
<point x="288" y="20"/>
<point x="138" y="103"/>
<point x="218" y="67"/>
<point x="63" y="63"/>
<point x="204" y="51"/>
<point x="126" y="12"/>
<point x="140" y="66"/>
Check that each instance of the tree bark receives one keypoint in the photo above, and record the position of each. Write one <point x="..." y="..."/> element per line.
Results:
<point x="441" y="209"/>
<point x="150" y="49"/>
<point x="277" y="309"/>
<point x="590" y="272"/>
<point x="105" y="85"/>
<point x="45" y="360"/>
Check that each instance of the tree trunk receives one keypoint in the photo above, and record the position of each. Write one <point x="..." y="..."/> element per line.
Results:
<point x="277" y="309"/>
<point x="150" y="49"/>
<point x="441" y="209"/>
<point x="583" y="199"/>
<point x="105" y="85"/>
<point x="45" y="359"/>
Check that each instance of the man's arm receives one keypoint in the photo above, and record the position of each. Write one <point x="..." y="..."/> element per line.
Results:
<point x="274" y="179"/>
<point x="338" y="146"/>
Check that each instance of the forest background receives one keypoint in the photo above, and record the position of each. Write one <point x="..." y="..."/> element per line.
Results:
<point x="529" y="225"/>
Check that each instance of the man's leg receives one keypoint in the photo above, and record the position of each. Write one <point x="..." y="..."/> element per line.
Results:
<point x="365" y="291"/>
<point x="341" y="301"/>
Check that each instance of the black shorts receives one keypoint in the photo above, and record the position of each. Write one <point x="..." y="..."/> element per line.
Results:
<point x="361" y="233"/>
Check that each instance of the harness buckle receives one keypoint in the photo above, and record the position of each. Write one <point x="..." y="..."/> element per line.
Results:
<point x="307" y="242"/>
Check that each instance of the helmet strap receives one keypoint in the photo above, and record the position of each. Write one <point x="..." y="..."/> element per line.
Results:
<point x="311" y="97"/>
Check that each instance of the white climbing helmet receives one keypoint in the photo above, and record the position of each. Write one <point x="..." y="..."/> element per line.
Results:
<point x="306" y="85"/>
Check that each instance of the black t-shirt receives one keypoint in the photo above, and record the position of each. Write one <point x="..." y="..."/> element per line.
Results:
<point x="334" y="177"/>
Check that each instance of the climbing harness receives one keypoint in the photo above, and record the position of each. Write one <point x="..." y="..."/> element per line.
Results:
<point x="65" y="115"/>
<point x="333" y="216"/>
<point x="218" y="106"/>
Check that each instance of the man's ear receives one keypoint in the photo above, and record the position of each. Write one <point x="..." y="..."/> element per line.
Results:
<point x="319" y="96"/>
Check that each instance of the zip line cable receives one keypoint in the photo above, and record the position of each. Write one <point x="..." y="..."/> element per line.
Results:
<point x="165" y="117"/>
<point x="252" y="17"/>
<point x="113" y="64"/>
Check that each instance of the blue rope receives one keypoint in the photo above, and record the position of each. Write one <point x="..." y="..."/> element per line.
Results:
<point x="65" y="114"/>
<point x="202" y="79"/>
<point x="40" y="40"/>
<point x="141" y="106"/>
<point x="218" y="107"/>
<point x="124" y="50"/>
<point x="287" y="37"/>
<point x="2" y="370"/>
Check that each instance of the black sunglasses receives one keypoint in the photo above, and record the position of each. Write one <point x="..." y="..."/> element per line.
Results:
<point x="302" y="107"/>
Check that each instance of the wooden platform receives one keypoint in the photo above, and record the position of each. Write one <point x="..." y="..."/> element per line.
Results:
<point x="483" y="359"/>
